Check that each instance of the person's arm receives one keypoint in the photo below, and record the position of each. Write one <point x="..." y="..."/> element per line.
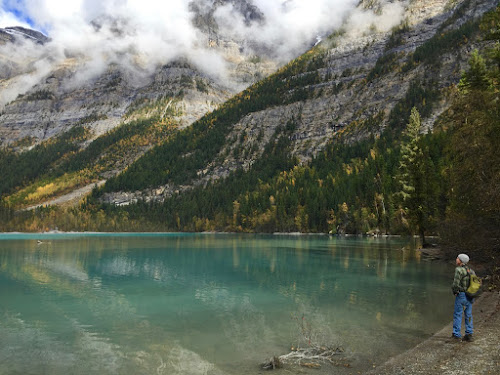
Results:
<point x="456" y="281"/>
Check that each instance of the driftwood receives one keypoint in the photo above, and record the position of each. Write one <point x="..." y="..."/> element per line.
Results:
<point x="307" y="352"/>
<point x="311" y="357"/>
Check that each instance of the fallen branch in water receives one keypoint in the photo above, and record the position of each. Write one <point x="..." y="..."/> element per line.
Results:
<point x="311" y="356"/>
<point x="321" y="354"/>
<point x="272" y="364"/>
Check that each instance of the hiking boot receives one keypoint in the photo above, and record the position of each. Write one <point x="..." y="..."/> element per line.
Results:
<point x="468" y="337"/>
<point x="454" y="338"/>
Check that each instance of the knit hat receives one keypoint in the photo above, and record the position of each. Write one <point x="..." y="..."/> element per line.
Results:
<point x="464" y="258"/>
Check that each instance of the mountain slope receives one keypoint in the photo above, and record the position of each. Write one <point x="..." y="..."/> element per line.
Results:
<point x="46" y="93"/>
<point x="315" y="147"/>
<point x="350" y="184"/>
<point x="346" y="82"/>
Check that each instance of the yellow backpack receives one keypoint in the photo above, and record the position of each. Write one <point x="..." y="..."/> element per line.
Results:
<point x="475" y="287"/>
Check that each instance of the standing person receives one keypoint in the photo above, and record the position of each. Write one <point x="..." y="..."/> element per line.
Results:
<point x="462" y="302"/>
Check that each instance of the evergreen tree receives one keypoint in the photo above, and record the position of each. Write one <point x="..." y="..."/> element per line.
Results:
<point x="411" y="178"/>
<point x="473" y="219"/>
<point x="476" y="77"/>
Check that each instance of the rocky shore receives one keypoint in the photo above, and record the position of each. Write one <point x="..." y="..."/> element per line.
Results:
<point x="438" y="355"/>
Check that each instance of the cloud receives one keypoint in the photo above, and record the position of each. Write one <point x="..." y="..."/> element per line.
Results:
<point x="140" y="35"/>
<point x="29" y="68"/>
<point x="290" y="26"/>
<point x="362" y="21"/>
<point x="9" y="18"/>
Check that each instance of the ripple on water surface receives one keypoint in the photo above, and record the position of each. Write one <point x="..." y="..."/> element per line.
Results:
<point x="210" y="304"/>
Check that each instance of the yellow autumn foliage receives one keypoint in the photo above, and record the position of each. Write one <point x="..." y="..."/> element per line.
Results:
<point x="34" y="194"/>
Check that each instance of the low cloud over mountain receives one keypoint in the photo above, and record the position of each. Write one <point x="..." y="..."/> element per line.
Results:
<point x="140" y="35"/>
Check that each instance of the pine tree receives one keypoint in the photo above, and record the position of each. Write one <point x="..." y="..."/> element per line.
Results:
<point x="411" y="178"/>
<point x="476" y="77"/>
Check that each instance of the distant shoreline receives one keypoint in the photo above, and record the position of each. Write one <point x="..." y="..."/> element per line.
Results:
<point x="221" y="232"/>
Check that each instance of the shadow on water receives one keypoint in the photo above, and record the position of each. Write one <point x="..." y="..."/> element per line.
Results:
<point x="209" y="304"/>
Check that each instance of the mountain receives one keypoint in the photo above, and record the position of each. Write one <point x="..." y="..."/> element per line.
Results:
<point x="44" y="90"/>
<point x="15" y="34"/>
<point x="314" y="147"/>
<point x="336" y="87"/>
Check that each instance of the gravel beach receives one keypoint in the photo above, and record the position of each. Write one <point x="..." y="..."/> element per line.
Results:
<point x="437" y="355"/>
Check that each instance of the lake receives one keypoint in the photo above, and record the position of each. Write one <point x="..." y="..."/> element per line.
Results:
<point x="211" y="303"/>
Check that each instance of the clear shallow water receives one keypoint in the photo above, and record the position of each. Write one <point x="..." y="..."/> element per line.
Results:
<point x="209" y="304"/>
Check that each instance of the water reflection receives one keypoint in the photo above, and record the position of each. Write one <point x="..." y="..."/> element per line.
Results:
<point x="197" y="304"/>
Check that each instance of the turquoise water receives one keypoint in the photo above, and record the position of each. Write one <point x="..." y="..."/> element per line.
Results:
<point x="210" y="304"/>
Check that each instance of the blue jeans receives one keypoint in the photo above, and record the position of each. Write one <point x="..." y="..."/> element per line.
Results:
<point x="462" y="304"/>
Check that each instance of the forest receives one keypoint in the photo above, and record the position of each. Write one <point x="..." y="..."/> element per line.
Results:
<point x="401" y="180"/>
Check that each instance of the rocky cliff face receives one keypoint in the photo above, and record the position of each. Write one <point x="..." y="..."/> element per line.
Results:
<point x="42" y="96"/>
<point x="51" y="108"/>
<point x="348" y="61"/>
<point x="349" y="94"/>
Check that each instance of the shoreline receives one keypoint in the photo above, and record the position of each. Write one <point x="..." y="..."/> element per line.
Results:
<point x="438" y="356"/>
<point x="291" y="234"/>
